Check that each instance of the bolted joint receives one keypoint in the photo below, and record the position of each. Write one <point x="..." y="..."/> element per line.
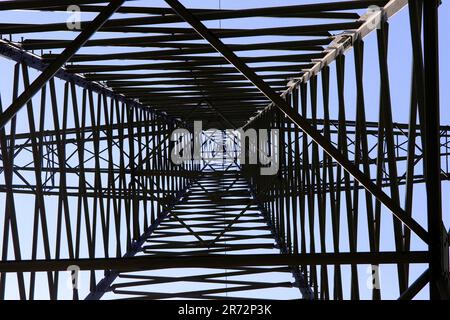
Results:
<point x="342" y="42"/>
<point x="374" y="17"/>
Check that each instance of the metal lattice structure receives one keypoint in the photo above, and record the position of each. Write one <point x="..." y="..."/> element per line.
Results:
<point x="87" y="183"/>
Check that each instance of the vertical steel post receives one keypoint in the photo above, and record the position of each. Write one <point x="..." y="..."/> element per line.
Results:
<point x="439" y="284"/>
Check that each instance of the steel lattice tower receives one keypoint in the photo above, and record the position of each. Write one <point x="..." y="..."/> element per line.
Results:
<point x="88" y="184"/>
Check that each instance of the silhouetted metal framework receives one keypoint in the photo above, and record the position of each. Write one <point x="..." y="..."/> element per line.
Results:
<point x="87" y="181"/>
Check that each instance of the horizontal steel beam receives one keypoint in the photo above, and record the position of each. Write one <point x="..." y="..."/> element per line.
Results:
<point x="319" y="30"/>
<point x="191" y="48"/>
<point x="321" y="11"/>
<point x="53" y="68"/>
<point x="211" y="261"/>
<point x="33" y="4"/>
